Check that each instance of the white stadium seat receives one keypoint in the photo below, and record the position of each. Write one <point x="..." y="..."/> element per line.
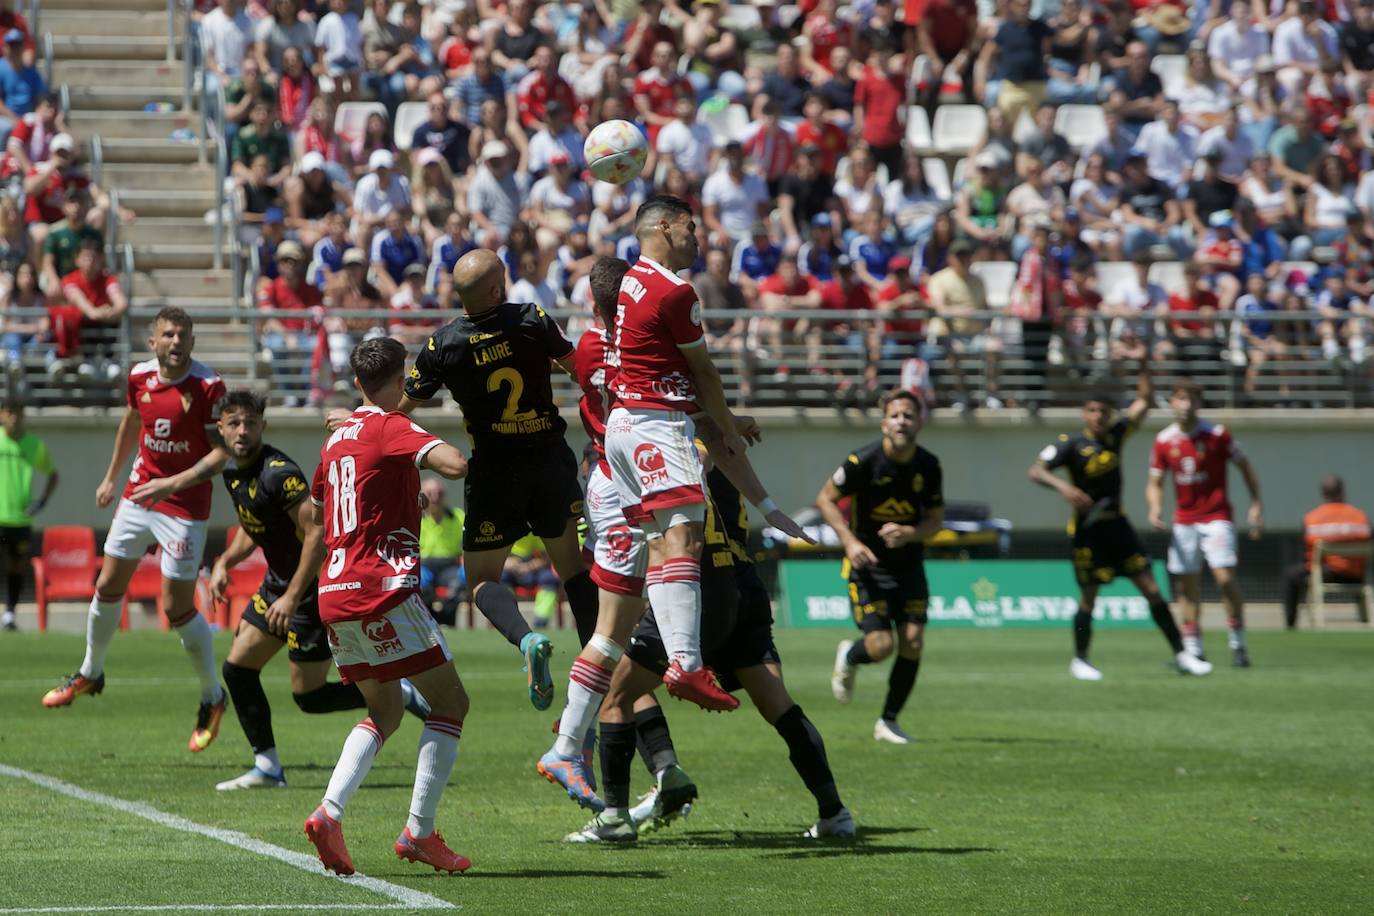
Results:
<point x="917" y="129"/>
<point x="937" y="176"/>
<point x="351" y="118"/>
<point x="1171" y="70"/>
<point x="958" y="127"/>
<point x="1081" y="125"/>
<point x="997" y="277"/>
<point x="408" y="117"/>
<point x="729" y="123"/>
<point x="1111" y="274"/>
<point x="1168" y="274"/>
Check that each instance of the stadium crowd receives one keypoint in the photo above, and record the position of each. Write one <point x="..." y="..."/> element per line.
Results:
<point x="1092" y="169"/>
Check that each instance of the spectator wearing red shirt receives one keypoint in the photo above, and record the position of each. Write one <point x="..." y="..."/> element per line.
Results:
<point x="878" y="97"/>
<point x="824" y="31"/>
<point x="1191" y="337"/>
<point x="9" y="21"/>
<point x="788" y="289"/>
<point x="46" y="185"/>
<point x="1219" y="255"/>
<point x="944" y="34"/>
<point x="290" y="340"/>
<point x="100" y="302"/>
<point x="28" y="141"/>
<point x="771" y="147"/>
<point x="541" y="86"/>
<point x="657" y="88"/>
<point x="829" y="139"/>
<point x="842" y="294"/>
<point x="1078" y="331"/>
<point x="296" y="90"/>
<point x="645" y="34"/>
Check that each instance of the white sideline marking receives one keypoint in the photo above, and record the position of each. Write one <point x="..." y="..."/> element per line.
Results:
<point x="210" y="908"/>
<point x="411" y="898"/>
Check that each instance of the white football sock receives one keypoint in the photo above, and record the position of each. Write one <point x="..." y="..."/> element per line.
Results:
<point x="102" y="621"/>
<point x="438" y="752"/>
<point x="1235" y="633"/>
<point x="587" y="687"/>
<point x="268" y="761"/>
<point x="199" y="643"/>
<point x="360" y="747"/>
<point x="1193" y="645"/>
<point x="677" y="607"/>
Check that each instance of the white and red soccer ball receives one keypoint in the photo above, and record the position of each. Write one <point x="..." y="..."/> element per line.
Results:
<point x="615" y="151"/>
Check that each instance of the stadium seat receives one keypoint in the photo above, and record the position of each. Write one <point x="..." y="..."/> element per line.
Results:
<point x="1081" y="125"/>
<point x="1024" y="129"/>
<point x="960" y="174"/>
<point x="408" y="117"/>
<point x="958" y="127"/>
<point x="1318" y="589"/>
<point x="243" y="584"/>
<point x="1171" y="70"/>
<point x="67" y="569"/>
<point x="729" y="123"/>
<point x="146" y="585"/>
<point x="351" y="118"/>
<point x="997" y="277"/>
<point x="1168" y="274"/>
<point x="918" y="130"/>
<point x="1111" y="274"/>
<point x="1307" y="268"/>
<point x="937" y="176"/>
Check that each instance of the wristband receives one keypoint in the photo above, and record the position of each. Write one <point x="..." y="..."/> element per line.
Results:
<point x="768" y="505"/>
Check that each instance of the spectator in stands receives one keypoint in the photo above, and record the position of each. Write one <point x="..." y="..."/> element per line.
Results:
<point x="1273" y="199"/>
<point x="614" y="210"/>
<point x="20" y="334"/>
<point x="339" y="36"/>
<point x="1231" y="146"/>
<point x="539" y="87"/>
<point x="713" y="49"/>
<point x="272" y="235"/>
<point x="719" y="291"/>
<point x="1192" y="337"/>
<point x="432" y="193"/>
<point x="1236" y="45"/>
<point x="21" y="86"/>
<point x="787" y="86"/>
<point x="1333" y="522"/>
<point x="1296" y="148"/>
<point x="932" y="254"/>
<point x="14" y="238"/>
<point x="226" y="33"/>
<point x="817" y="257"/>
<point x="870" y="251"/>
<point x="495" y="199"/>
<point x="1259" y="337"/>
<point x="1135" y="304"/>
<point x="787" y="290"/>
<point x="532" y="284"/>
<point x="838" y="91"/>
<point x="1149" y="212"/>
<point x="945" y="35"/>
<point x="955" y="295"/>
<point x="394" y="71"/>
<point x="828" y="138"/>
<point x="878" y="99"/>
<point x="45" y="187"/>
<point x="482" y="84"/>
<point x="1302" y="43"/>
<point x="517" y="41"/>
<point x="102" y="303"/>
<point x="393" y="251"/>
<point x="804" y="193"/>
<point x="1168" y="145"/>
<point x="66" y="236"/>
<point x="375" y="136"/>
<point x="1264" y="104"/>
<point x="861" y="190"/>
<point x="1013" y="63"/>
<point x="242" y="93"/>
<point x="296" y="90"/>
<point x="289" y="339"/>
<point x="495" y="125"/>
<point x="1046" y="146"/>
<point x="557" y="135"/>
<point x="1207" y="194"/>
<point x="558" y="201"/>
<point x="898" y="333"/>
<point x="755" y="259"/>
<point x="28" y="141"/>
<point x="378" y="193"/>
<point x="1078" y="330"/>
<point x="980" y="213"/>
<point x="909" y="202"/>
<point x="262" y="138"/>
<point x="1262" y="251"/>
<point x="1206" y="97"/>
<point x="318" y="136"/>
<point x="1357" y="48"/>
<point x="1327" y="208"/>
<point x="657" y="89"/>
<point x="327" y="257"/>
<point x="685" y="142"/>
<point x="442" y="133"/>
<point x="733" y="199"/>
<point x="1036" y="300"/>
<point x="256" y="195"/>
<point x="348" y="289"/>
<point x="441" y="552"/>
<point x="998" y="141"/>
<point x="1073" y="49"/>
<point x="1328" y="98"/>
<point x="770" y="147"/>
<point x="448" y="248"/>
<point x="1136" y="94"/>
<point x="1341" y="315"/>
<point x="1350" y="148"/>
<point x="411" y="298"/>
<point x="1114" y="146"/>
<point x="277" y="32"/>
<point x="1096" y="197"/>
<point x="1038" y="199"/>
<point x="310" y="198"/>
<point x="845" y="293"/>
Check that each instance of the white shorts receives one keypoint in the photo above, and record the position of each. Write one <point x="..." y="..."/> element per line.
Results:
<point x="400" y="643"/>
<point x="135" y="529"/>
<point x="655" y="466"/>
<point x="1214" y="541"/>
<point x="620" y="555"/>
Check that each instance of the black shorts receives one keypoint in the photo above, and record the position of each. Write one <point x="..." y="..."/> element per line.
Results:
<point x="15" y="544"/>
<point x="512" y="494"/>
<point x="306" y="640"/>
<point x="881" y="599"/>
<point x="1107" y="549"/>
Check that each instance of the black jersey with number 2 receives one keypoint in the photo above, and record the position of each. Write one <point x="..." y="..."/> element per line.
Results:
<point x="883" y="490"/>
<point x="266" y="494"/>
<point x="1094" y="467"/>
<point x="497" y="367"/>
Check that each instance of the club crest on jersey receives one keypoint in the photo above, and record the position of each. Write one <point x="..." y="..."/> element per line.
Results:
<point x="146" y="398"/>
<point x="652" y="468"/>
<point x="400" y="549"/>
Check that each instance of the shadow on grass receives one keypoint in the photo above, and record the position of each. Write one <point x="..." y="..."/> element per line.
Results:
<point x="478" y="872"/>
<point x="791" y="845"/>
<point x="998" y="739"/>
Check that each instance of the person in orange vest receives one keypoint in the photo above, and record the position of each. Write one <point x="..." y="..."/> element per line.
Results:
<point x="1333" y="520"/>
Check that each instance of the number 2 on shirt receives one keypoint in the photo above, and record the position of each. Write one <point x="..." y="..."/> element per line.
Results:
<point x="498" y="380"/>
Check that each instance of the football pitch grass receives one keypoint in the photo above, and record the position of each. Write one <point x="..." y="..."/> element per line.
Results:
<point x="1027" y="792"/>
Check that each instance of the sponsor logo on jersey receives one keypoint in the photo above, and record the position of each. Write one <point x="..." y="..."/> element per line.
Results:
<point x="330" y="634"/>
<point x="251" y="523"/>
<point x="653" y="469"/>
<point x="166" y="446"/>
<point x="340" y="587"/>
<point x="400" y="549"/>
<point x="695" y="314"/>
<point x="893" y="509"/>
<point x="380" y="630"/>
<point x="575" y="508"/>
<point x="292" y="485"/>
<point x="674" y="385"/>
<point x="619" y="541"/>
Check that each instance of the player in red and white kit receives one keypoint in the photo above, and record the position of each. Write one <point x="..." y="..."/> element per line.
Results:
<point x="665" y="376"/>
<point x="172" y="406"/>
<point x="366" y="494"/>
<point x="1196" y="453"/>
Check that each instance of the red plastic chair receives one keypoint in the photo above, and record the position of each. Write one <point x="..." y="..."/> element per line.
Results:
<point x="67" y="569"/>
<point x="243" y="583"/>
<point x="146" y="584"/>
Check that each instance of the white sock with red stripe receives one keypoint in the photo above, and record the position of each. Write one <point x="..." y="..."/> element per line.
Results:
<point x="676" y="600"/>
<point x="359" y="749"/>
<point x="102" y="621"/>
<point x="587" y="686"/>
<point x="438" y="753"/>
<point x="199" y="643"/>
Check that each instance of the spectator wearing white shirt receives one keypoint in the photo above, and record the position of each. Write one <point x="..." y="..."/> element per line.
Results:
<point x="530" y="287"/>
<point x="1236" y="147"/>
<point x="1301" y="43"/>
<point x="732" y="199"/>
<point x="380" y="191"/>
<point x="557" y="136"/>
<point x="339" y="36"/>
<point x="1134" y="304"/>
<point x="685" y="141"/>
<point x="226" y="34"/>
<point x="1236" y="44"/>
<point x="558" y="201"/>
<point x="1168" y="145"/>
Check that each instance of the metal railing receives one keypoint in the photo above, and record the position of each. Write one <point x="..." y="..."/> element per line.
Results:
<point x="35" y="11"/>
<point x="97" y="159"/>
<point x="212" y="131"/>
<point x="189" y="46"/>
<point x="47" y="57"/>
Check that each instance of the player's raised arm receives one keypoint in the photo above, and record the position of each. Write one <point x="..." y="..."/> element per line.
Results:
<point x="1144" y="394"/>
<point x="126" y="439"/>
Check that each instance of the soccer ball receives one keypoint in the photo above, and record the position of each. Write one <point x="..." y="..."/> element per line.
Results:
<point x="615" y="151"/>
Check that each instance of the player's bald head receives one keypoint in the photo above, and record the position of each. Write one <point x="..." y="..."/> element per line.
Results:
<point x="479" y="280"/>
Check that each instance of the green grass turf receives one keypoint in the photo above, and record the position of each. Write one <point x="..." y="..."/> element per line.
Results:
<point x="1028" y="792"/>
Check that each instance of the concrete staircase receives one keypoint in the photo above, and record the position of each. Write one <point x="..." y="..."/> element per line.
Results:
<point x="113" y="58"/>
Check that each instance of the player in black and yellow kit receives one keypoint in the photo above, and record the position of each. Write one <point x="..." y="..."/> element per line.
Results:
<point x="897" y="501"/>
<point x="737" y="642"/>
<point x="269" y="494"/>
<point x="496" y="360"/>
<point x="1105" y="544"/>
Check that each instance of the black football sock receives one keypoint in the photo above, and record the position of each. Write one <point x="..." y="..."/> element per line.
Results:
<point x="497" y="603"/>
<point x="583" y="601"/>
<point x="250" y="704"/>
<point x="806" y="750"/>
<point x="14" y="583"/>
<point x="900" y="683"/>
<point x="617" y="755"/>
<point x="331" y="697"/>
<point x="1082" y="632"/>
<point x="654" y="741"/>
<point x="1164" y="619"/>
<point x="858" y="654"/>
